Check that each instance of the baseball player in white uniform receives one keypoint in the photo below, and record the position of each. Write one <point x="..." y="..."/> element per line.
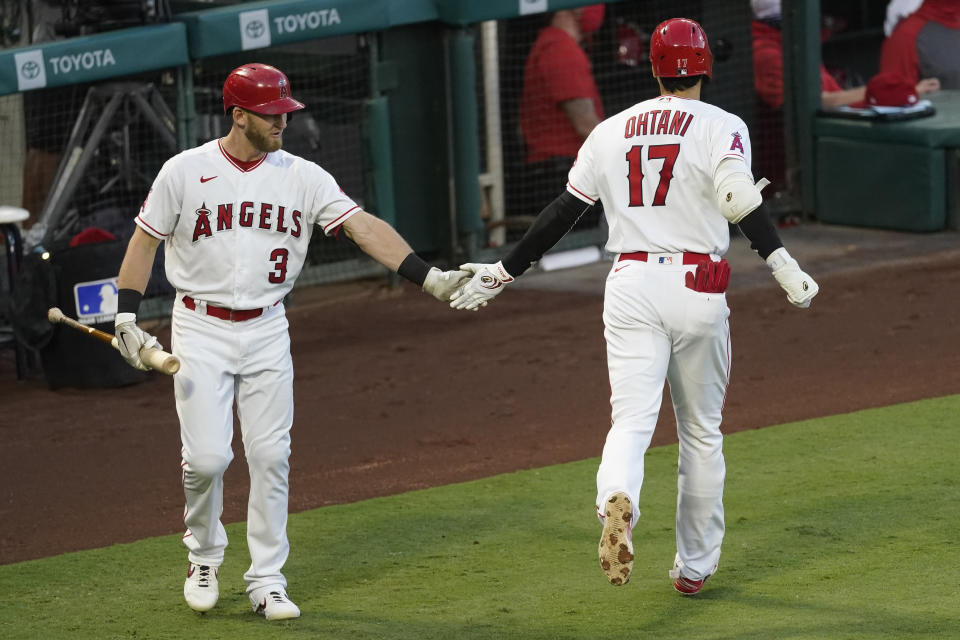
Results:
<point x="235" y="216"/>
<point x="672" y="173"/>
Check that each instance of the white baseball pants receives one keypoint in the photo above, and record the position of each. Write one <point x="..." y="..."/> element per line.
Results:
<point x="223" y="361"/>
<point x="656" y="329"/>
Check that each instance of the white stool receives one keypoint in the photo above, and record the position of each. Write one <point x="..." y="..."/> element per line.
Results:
<point x="9" y="219"/>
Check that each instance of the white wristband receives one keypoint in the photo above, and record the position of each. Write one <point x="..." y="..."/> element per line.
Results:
<point x="779" y="258"/>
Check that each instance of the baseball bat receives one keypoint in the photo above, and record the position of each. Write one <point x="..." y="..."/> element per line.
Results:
<point x="154" y="358"/>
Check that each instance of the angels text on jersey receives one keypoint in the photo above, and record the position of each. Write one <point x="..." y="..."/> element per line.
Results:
<point x="251" y="215"/>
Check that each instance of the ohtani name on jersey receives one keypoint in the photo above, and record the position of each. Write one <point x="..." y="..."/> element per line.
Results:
<point x="250" y="215"/>
<point x="657" y="122"/>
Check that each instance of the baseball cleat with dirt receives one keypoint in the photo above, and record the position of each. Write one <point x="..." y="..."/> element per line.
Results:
<point x="616" y="542"/>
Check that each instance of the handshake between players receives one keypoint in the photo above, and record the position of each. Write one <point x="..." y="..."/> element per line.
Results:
<point x="490" y="279"/>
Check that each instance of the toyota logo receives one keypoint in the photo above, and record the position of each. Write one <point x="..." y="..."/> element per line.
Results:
<point x="30" y="70"/>
<point x="254" y="29"/>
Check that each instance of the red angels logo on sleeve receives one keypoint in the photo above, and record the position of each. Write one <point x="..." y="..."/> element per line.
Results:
<point x="736" y="145"/>
<point x="144" y="205"/>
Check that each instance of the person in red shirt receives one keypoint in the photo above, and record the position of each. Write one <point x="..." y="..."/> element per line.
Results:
<point x="926" y="44"/>
<point x="560" y="104"/>
<point x="768" y="60"/>
<point x="768" y="86"/>
<point x="768" y="67"/>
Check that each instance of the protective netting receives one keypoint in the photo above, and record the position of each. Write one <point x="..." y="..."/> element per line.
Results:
<point x="84" y="156"/>
<point x="91" y="152"/>
<point x="619" y="57"/>
<point x="333" y="77"/>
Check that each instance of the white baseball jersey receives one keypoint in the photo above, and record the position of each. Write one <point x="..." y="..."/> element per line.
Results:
<point x="652" y="165"/>
<point x="238" y="237"/>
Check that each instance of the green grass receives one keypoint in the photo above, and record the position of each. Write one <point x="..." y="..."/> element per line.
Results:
<point x="844" y="527"/>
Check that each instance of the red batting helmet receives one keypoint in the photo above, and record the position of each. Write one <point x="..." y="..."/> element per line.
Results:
<point x="259" y="88"/>
<point x="679" y="48"/>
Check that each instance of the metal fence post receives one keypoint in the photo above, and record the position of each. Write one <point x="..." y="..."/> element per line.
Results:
<point x="801" y="62"/>
<point x="186" y="108"/>
<point x="464" y="132"/>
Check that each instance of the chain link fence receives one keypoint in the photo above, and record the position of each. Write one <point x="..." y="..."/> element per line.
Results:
<point x="84" y="156"/>
<point x="90" y="154"/>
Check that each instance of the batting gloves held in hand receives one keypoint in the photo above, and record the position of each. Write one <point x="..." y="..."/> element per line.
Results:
<point x="800" y="287"/>
<point x="442" y="284"/>
<point x="131" y="339"/>
<point x="488" y="280"/>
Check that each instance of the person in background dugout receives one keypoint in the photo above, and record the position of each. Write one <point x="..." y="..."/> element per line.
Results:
<point x="560" y="103"/>
<point x="897" y="10"/>
<point x="768" y="87"/>
<point x="926" y="44"/>
<point x="768" y="64"/>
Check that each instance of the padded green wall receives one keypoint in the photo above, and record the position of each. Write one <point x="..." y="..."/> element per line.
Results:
<point x="881" y="184"/>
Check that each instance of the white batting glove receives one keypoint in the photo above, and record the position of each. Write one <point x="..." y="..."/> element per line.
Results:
<point x="488" y="280"/>
<point x="800" y="287"/>
<point x="442" y="284"/>
<point x="131" y="339"/>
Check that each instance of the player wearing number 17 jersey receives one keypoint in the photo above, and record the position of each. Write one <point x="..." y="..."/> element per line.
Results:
<point x="236" y="216"/>
<point x="672" y="172"/>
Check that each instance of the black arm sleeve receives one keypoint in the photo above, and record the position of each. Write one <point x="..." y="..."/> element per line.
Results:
<point x="553" y="223"/>
<point x="760" y="231"/>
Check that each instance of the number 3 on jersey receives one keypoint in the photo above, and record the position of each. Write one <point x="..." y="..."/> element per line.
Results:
<point x="666" y="152"/>
<point x="279" y="259"/>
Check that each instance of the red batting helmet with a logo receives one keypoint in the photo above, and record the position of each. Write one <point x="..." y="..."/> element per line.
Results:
<point x="259" y="88"/>
<point x="679" y="48"/>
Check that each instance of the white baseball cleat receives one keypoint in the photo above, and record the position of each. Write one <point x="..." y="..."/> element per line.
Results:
<point x="616" y="542"/>
<point x="276" y="605"/>
<point x="201" y="589"/>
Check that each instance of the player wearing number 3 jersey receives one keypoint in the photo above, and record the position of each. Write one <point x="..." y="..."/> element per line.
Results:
<point x="236" y="216"/>
<point x="672" y="173"/>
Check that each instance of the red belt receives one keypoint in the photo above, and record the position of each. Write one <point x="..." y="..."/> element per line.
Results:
<point x="688" y="258"/>
<point x="234" y="315"/>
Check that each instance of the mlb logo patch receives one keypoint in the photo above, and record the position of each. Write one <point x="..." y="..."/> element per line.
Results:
<point x="665" y="260"/>
<point x="96" y="300"/>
